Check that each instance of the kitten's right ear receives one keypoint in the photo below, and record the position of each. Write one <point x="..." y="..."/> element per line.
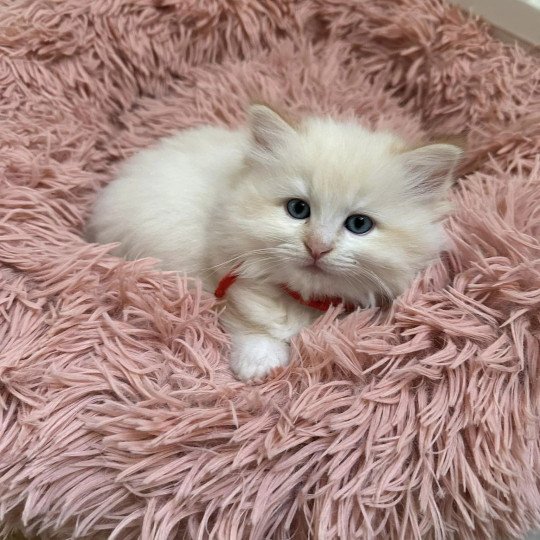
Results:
<point x="270" y="133"/>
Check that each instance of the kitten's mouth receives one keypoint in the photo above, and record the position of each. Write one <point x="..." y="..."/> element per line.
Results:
<point x="314" y="267"/>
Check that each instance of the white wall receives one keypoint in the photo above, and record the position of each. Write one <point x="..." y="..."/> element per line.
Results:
<point x="518" y="17"/>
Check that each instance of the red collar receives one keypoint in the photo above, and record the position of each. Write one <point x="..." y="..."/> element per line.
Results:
<point x="321" y="304"/>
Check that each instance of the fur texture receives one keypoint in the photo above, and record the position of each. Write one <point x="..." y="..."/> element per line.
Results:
<point x="118" y="413"/>
<point x="210" y="200"/>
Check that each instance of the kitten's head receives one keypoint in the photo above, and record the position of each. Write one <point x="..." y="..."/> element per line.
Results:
<point x="333" y="209"/>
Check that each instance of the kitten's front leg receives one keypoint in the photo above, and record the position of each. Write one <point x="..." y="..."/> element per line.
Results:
<point x="261" y="321"/>
<point x="254" y="355"/>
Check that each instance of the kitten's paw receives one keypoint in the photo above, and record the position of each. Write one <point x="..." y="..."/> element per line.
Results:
<point x="254" y="355"/>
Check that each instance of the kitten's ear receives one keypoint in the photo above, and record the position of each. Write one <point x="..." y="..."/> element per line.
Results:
<point x="269" y="131"/>
<point x="429" y="169"/>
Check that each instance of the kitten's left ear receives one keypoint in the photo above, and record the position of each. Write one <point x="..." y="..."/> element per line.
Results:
<point x="269" y="131"/>
<point x="429" y="169"/>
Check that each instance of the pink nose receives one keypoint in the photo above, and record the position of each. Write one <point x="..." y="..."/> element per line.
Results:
<point x="317" y="249"/>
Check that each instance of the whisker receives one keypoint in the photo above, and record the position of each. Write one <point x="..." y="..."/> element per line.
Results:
<point x="237" y="257"/>
<point x="376" y="280"/>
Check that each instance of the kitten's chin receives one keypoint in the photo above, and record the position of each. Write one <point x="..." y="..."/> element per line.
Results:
<point x="313" y="281"/>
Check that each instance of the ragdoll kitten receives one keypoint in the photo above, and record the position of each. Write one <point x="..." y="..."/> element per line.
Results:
<point x="283" y="219"/>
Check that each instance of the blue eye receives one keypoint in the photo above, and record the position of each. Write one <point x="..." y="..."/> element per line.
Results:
<point x="298" y="209"/>
<point x="359" y="224"/>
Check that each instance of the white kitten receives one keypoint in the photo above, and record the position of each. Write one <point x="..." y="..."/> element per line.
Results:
<point x="324" y="209"/>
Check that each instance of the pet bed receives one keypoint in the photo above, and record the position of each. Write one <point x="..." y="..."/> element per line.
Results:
<point x="119" y="416"/>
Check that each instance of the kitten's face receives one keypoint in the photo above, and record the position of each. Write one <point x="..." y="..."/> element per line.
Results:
<point x="332" y="209"/>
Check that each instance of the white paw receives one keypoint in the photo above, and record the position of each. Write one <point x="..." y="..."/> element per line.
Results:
<point x="254" y="355"/>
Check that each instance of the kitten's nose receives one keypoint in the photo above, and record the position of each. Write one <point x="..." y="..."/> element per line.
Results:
<point x="317" y="249"/>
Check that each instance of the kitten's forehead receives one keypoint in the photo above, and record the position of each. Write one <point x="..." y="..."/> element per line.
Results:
<point x="344" y="163"/>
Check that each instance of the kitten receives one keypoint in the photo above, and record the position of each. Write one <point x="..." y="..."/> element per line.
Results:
<point x="277" y="215"/>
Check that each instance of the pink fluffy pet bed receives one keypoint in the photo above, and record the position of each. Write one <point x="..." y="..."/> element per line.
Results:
<point x="119" y="416"/>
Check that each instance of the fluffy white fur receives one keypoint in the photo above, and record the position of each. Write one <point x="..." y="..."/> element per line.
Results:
<point x="208" y="199"/>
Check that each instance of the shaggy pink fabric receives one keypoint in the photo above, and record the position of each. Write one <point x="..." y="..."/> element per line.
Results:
<point x="118" y="414"/>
